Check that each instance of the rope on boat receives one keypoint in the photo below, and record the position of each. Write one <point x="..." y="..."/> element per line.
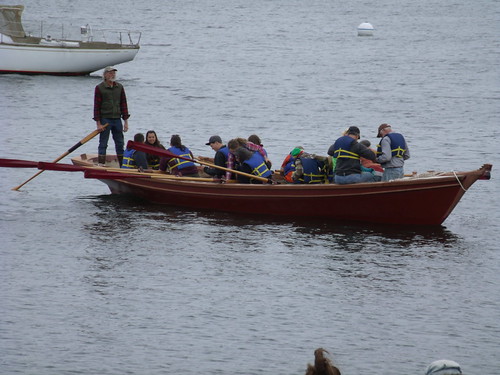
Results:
<point x="460" y="183"/>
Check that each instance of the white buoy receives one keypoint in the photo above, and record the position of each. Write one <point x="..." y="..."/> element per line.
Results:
<point x="365" y="29"/>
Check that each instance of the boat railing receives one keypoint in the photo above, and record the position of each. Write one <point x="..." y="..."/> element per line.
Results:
<point x="125" y="37"/>
<point x="86" y="33"/>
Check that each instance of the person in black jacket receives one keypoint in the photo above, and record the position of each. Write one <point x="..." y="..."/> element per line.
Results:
<point x="220" y="158"/>
<point x="348" y="151"/>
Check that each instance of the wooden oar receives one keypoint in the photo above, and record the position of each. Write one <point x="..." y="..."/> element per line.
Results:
<point x="83" y="141"/>
<point x="16" y="163"/>
<point x="111" y="173"/>
<point x="160" y="152"/>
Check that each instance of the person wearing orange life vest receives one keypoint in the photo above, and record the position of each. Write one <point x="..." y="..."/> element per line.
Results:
<point x="288" y="166"/>
<point x="392" y="151"/>
<point x="300" y="167"/>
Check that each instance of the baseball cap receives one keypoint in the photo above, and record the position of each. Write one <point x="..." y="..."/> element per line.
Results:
<point x="382" y="127"/>
<point x="110" y="69"/>
<point x="353" y="130"/>
<point x="213" y="139"/>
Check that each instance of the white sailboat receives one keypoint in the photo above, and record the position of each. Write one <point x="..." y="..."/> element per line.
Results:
<point x="23" y="53"/>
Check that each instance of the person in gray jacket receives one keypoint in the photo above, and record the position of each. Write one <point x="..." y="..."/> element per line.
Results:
<point x="392" y="151"/>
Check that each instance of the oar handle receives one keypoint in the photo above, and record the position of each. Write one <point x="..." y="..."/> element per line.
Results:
<point x="85" y="140"/>
<point x="161" y="152"/>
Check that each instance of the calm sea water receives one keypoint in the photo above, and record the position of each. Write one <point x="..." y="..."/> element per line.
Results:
<point x="95" y="284"/>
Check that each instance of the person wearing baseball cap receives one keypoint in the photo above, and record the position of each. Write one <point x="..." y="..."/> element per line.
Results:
<point x="110" y="107"/>
<point x="348" y="151"/>
<point x="392" y="151"/>
<point x="220" y="158"/>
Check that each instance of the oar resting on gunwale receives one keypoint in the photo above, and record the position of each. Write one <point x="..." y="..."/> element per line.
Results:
<point x="95" y="171"/>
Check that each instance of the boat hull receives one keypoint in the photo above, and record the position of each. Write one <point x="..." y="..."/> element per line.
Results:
<point x="410" y="201"/>
<point x="40" y="59"/>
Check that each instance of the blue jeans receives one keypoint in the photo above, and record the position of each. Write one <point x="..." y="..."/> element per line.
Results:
<point x="116" y="128"/>
<point x="354" y="178"/>
<point x="392" y="173"/>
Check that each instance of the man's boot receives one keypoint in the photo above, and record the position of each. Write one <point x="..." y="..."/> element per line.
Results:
<point x="101" y="160"/>
<point x="120" y="159"/>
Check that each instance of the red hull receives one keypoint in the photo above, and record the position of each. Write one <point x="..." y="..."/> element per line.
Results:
<point x="420" y="201"/>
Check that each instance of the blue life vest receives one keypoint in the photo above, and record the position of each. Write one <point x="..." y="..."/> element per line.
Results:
<point x="398" y="144"/>
<point x="180" y="163"/>
<point x="342" y="148"/>
<point x="312" y="171"/>
<point x="128" y="159"/>
<point x="156" y="162"/>
<point x="258" y="165"/>
<point x="290" y="166"/>
<point x="225" y="151"/>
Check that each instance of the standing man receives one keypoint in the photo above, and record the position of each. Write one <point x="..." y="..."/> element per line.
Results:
<point x="110" y="106"/>
<point x="392" y="151"/>
<point x="348" y="151"/>
<point x="220" y="159"/>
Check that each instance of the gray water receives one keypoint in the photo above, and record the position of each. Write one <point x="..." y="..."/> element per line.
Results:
<point x="97" y="284"/>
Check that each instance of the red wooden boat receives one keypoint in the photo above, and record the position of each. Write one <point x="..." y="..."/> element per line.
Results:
<point x="425" y="199"/>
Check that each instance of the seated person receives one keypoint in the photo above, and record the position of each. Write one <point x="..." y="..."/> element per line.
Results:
<point x="152" y="140"/>
<point x="133" y="159"/>
<point x="251" y="162"/>
<point x="220" y="158"/>
<point x="256" y="141"/>
<point x="370" y="166"/>
<point x="178" y="166"/>
<point x="236" y="143"/>
<point x="300" y="167"/>
<point x="348" y="151"/>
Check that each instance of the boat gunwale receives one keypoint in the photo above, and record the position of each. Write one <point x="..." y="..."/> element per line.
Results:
<point x="445" y="180"/>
